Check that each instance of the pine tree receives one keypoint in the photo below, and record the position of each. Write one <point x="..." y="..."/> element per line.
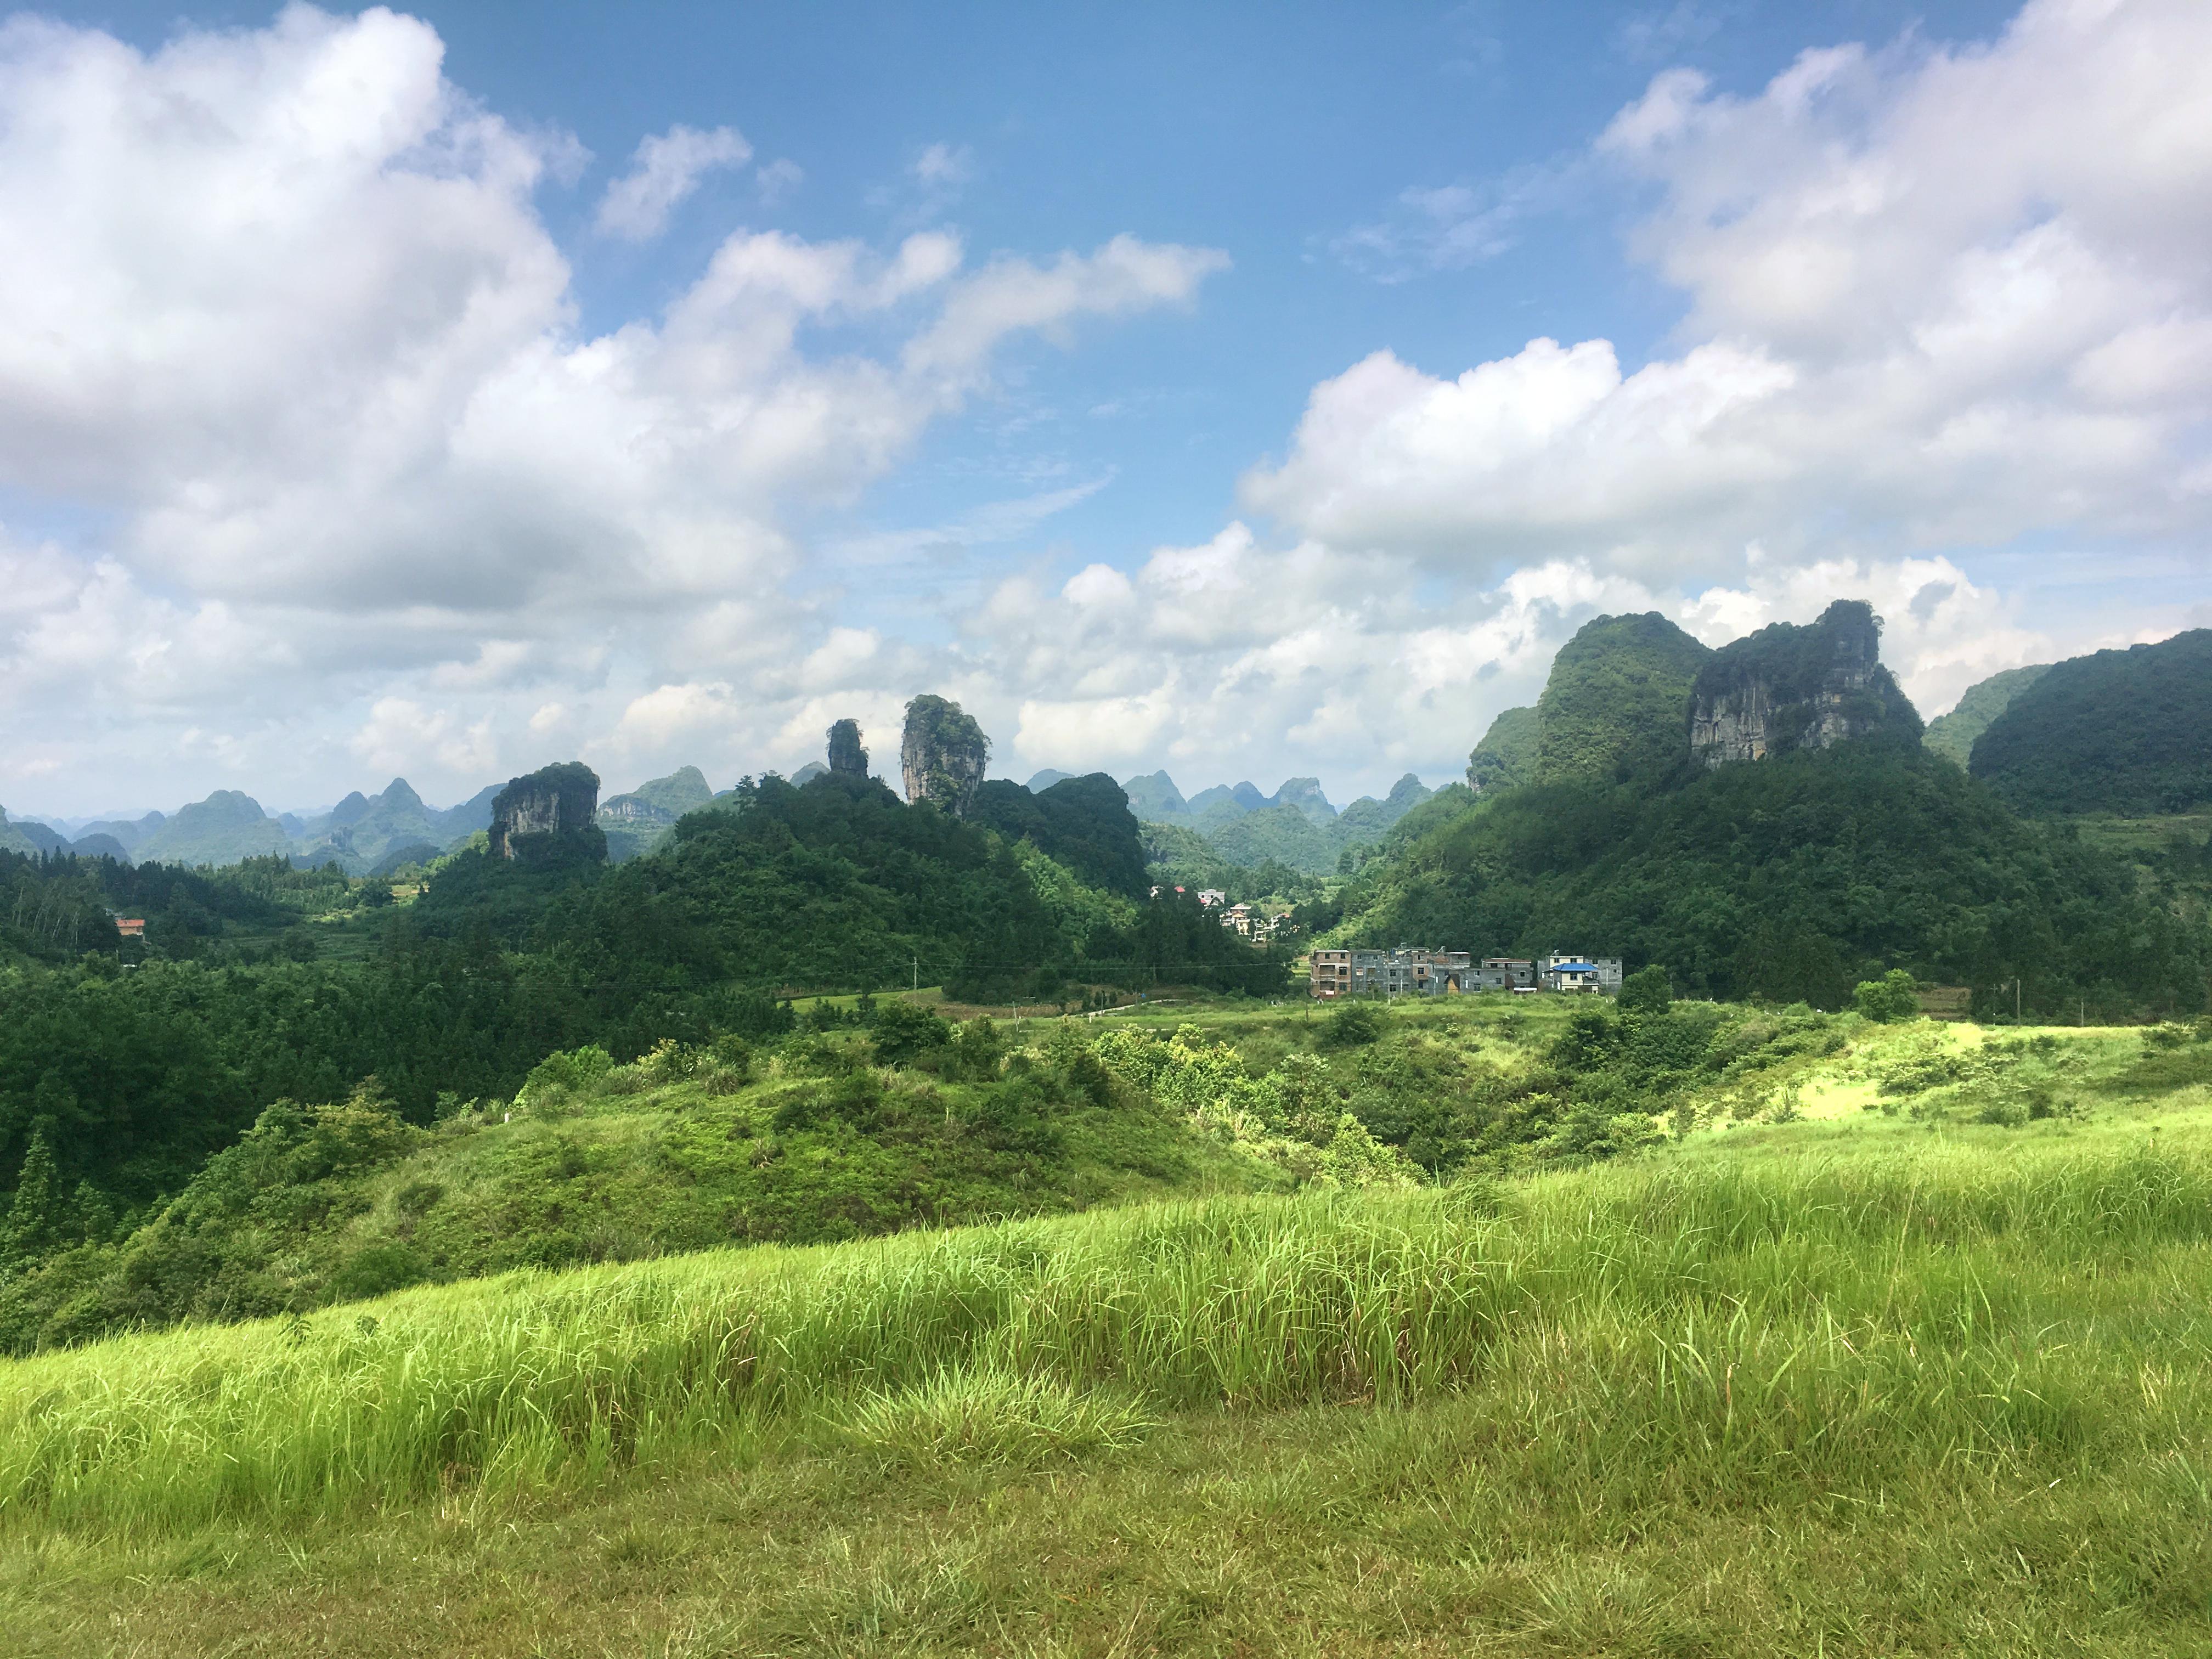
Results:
<point x="35" y="1217"/>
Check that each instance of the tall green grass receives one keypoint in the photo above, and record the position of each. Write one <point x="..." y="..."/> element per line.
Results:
<point x="1832" y="1320"/>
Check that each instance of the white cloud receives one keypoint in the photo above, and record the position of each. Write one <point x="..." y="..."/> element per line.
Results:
<point x="399" y="733"/>
<point x="666" y="170"/>
<point x="1228" y="659"/>
<point x="777" y="179"/>
<point x="297" y="336"/>
<point x="1937" y="297"/>
<point x="943" y="164"/>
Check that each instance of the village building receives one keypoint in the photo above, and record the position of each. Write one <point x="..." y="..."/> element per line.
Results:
<point x="1407" y="971"/>
<point x="1565" y="971"/>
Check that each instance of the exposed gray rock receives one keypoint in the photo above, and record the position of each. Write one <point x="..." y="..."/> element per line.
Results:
<point x="553" y="798"/>
<point x="846" y="758"/>
<point x="943" y="754"/>
<point x="1788" y="687"/>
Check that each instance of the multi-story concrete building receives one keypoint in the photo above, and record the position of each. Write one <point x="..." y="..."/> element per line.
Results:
<point x="1336" y="974"/>
<point x="1505" y="974"/>
<point x="1405" y="971"/>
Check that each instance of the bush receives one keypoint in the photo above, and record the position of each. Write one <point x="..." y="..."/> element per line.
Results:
<point x="1889" y="997"/>
<point x="1353" y="1025"/>
<point x="572" y="1071"/>
<point x="1645" y="991"/>
<point x="903" y="1030"/>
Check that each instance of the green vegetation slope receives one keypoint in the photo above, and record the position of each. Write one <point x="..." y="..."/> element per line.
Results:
<point x="2127" y="734"/>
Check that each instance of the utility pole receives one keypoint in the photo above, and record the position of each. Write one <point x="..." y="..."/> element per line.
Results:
<point x="917" y="972"/>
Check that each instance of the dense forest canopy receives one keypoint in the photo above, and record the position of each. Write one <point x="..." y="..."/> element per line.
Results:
<point x="1618" y="700"/>
<point x="1953" y="735"/>
<point x="2126" y="732"/>
<point x="1792" y="878"/>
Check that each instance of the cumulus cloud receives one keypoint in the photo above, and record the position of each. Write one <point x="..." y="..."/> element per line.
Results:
<point x="1935" y="297"/>
<point x="1226" y="658"/>
<point x="297" y="334"/>
<point x="666" y="170"/>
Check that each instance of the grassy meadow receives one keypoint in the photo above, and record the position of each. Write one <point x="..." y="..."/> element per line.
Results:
<point x="1897" y="1348"/>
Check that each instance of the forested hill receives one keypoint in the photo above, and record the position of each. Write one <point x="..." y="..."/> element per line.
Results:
<point x="1791" y="876"/>
<point x="2122" y="732"/>
<point x="1953" y="735"/>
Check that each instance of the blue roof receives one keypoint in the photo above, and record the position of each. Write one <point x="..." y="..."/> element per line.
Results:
<point x="1574" y="967"/>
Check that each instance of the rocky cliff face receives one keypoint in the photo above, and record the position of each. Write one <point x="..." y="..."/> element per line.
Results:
<point x="847" y="757"/>
<point x="943" y="754"/>
<point x="1788" y="687"/>
<point x="552" y="799"/>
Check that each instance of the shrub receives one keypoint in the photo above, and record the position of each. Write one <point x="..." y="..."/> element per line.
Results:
<point x="1647" y="990"/>
<point x="902" y="1030"/>
<point x="575" y="1071"/>
<point x="1353" y="1025"/>
<point x="1889" y="997"/>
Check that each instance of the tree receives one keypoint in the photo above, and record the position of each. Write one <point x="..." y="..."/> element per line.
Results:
<point x="34" y="1219"/>
<point x="1889" y="997"/>
<point x="1645" y="991"/>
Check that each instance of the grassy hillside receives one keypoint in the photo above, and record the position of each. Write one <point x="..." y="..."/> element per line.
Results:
<point x="1899" y="1381"/>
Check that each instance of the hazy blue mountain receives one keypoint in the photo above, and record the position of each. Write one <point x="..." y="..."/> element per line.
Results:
<point x="99" y="846"/>
<point x="1154" y="798"/>
<point x="227" y="826"/>
<point x="808" y="772"/>
<point x="132" y="833"/>
<point x="1045" y="779"/>
<point x="13" y="840"/>
<point x="1305" y="794"/>
<point x="362" y="831"/>
<point x="457" y="824"/>
<point x="43" y="837"/>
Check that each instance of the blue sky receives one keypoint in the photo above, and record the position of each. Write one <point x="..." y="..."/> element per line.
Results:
<point x="360" y="454"/>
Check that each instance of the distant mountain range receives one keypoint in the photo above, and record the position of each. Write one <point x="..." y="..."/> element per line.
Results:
<point x="1295" y="826"/>
<point x="375" y="835"/>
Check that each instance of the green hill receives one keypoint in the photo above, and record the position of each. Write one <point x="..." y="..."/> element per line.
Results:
<point x="13" y="840"/>
<point x="1506" y="756"/>
<point x="1793" y="877"/>
<point x="1759" y="1385"/>
<point x="225" y="827"/>
<point x="1953" y="735"/>
<point x="639" y="821"/>
<point x="2120" y="732"/>
<point x="1084" y="823"/>
<point x="1617" y="702"/>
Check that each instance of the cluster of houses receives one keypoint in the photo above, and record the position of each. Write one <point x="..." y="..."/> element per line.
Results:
<point x="1248" y="920"/>
<point x="1409" y="972"/>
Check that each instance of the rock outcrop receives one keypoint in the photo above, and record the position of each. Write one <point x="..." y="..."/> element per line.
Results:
<point x="1788" y="687"/>
<point x="943" y="756"/>
<point x="550" y="801"/>
<point x="847" y="759"/>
